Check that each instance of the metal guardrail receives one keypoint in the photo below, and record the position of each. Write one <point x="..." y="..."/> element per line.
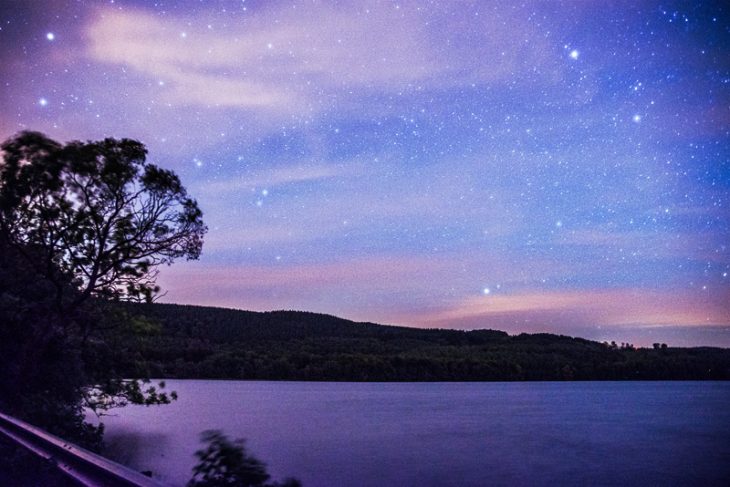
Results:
<point x="87" y="468"/>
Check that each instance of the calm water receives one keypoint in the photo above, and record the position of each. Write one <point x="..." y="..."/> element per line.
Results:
<point x="444" y="434"/>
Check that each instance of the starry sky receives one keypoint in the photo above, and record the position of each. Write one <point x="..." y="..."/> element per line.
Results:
<point x="535" y="166"/>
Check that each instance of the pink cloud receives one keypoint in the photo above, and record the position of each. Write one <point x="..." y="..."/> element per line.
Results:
<point x="355" y="288"/>
<point x="264" y="59"/>
<point x="553" y="309"/>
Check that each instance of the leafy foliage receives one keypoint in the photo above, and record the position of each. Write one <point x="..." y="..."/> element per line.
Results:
<point x="81" y="225"/>
<point x="226" y="463"/>
<point x="95" y="211"/>
<point x="42" y="371"/>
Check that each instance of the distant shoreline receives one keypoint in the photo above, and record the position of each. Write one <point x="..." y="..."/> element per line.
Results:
<point x="195" y="342"/>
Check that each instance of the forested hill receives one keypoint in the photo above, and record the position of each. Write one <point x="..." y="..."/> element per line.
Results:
<point x="202" y="342"/>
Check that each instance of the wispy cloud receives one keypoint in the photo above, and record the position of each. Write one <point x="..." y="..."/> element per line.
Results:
<point x="617" y="307"/>
<point x="400" y="290"/>
<point x="436" y="203"/>
<point x="279" y="176"/>
<point x="359" y="288"/>
<point x="295" y="59"/>
<point x="194" y="66"/>
<point x="264" y="62"/>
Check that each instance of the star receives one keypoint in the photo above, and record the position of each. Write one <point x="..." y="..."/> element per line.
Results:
<point x="542" y="160"/>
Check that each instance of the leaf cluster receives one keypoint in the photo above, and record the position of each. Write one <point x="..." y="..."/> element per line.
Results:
<point x="96" y="211"/>
<point x="227" y="463"/>
<point x="82" y="224"/>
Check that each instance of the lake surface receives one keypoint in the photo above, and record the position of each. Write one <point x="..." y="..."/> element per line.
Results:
<point x="443" y="434"/>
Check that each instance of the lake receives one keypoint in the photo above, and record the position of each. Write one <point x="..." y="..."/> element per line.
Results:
<point x="442" y="434"/>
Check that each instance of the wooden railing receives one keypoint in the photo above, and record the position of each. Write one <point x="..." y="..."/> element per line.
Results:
<point x="85" y="467"/>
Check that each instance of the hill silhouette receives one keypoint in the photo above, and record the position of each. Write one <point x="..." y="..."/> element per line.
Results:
<point x="183" y="341"/>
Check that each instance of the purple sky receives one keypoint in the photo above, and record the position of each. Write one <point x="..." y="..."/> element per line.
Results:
<point x="551" y="166"/>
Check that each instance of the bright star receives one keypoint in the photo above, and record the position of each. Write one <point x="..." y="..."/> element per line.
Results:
<point x="574" y="54"/>
<point x="43" y="102"/>
<point x="486" y="291"/>
<point x="636" y="118"/>
<point x="50" y="36"/>
<point x="265" y="192"/>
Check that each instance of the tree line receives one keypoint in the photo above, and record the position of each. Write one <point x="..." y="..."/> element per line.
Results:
<point x="214" y="343"/>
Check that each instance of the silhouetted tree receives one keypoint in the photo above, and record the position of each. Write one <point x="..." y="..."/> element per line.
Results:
<point x="81" y="224"/>
<point x="95" y="211"/>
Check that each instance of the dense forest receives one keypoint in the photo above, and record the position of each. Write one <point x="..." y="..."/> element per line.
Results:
<point x="214" y="343"/>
